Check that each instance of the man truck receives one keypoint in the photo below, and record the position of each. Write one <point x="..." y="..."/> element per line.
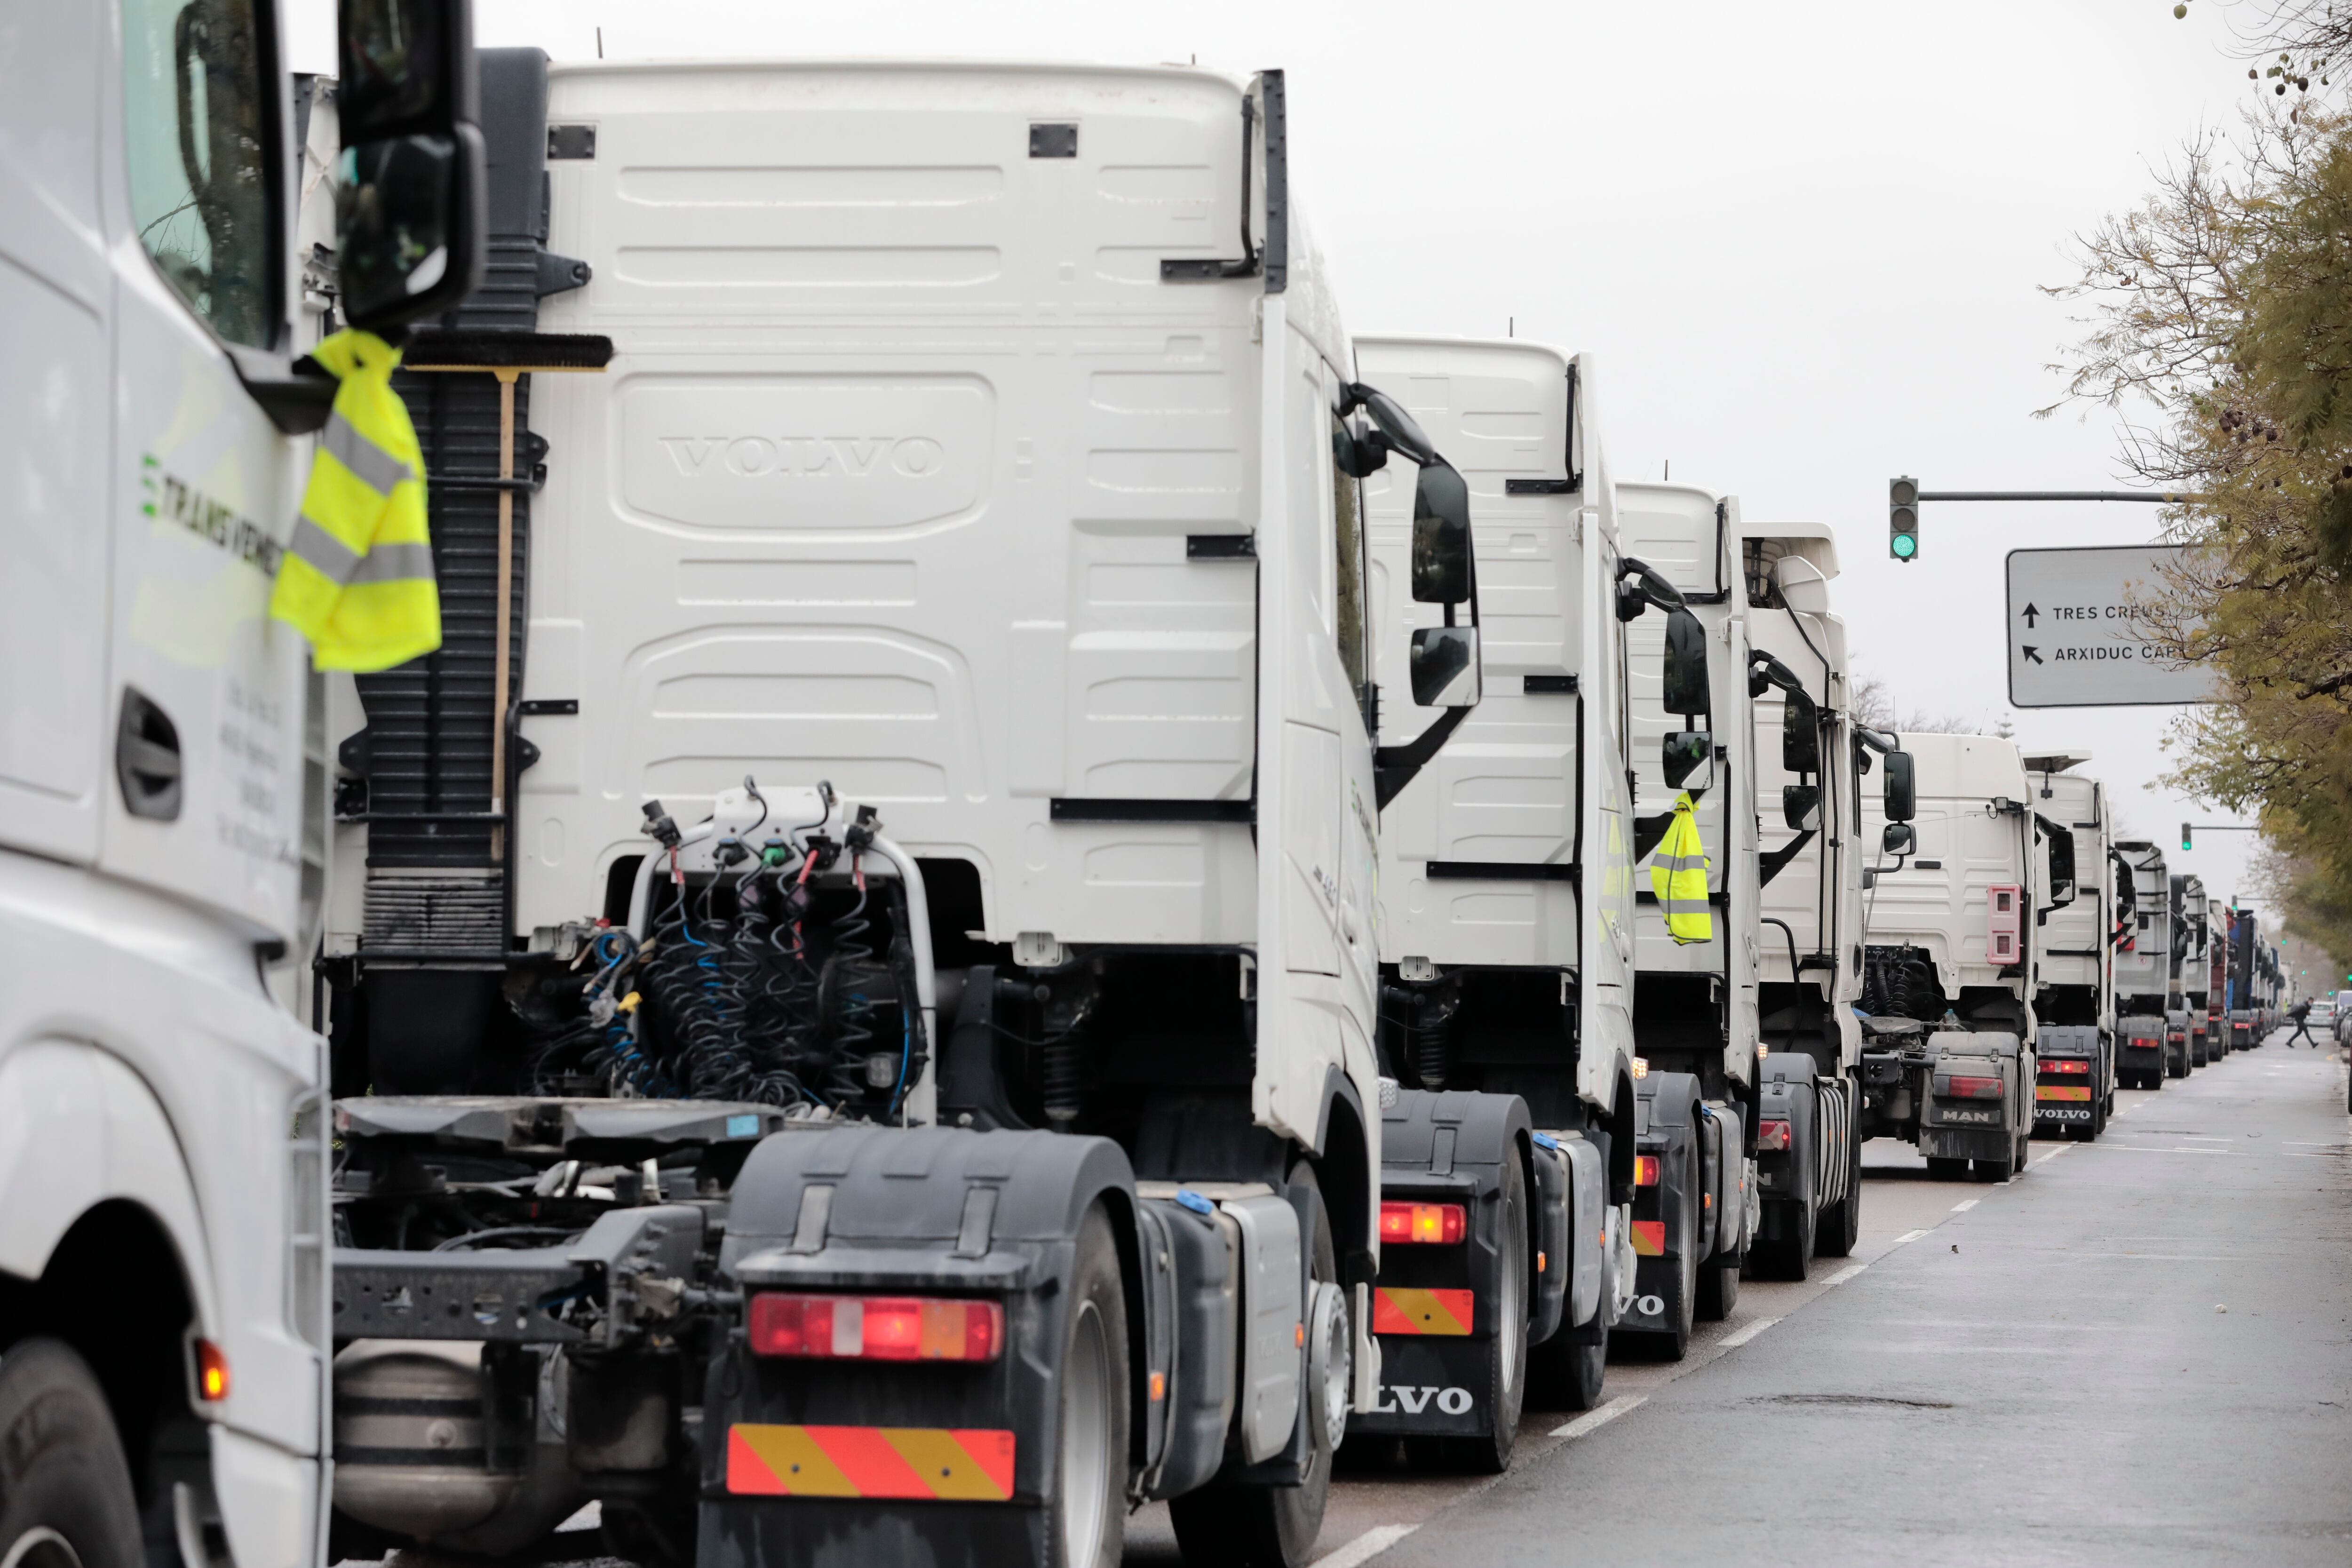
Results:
<point x="1948" y="986"/>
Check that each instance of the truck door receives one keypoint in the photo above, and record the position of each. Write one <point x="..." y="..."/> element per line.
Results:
<point x="203" y="710"/>
<point x="52" y="414"/>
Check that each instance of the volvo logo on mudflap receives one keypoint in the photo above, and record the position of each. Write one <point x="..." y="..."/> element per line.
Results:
<point x="1407" y="1399"/>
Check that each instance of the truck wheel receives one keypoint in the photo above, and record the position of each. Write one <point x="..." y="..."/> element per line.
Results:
<point x="1942" y="1170"/>
<point x="1564" y="1376"/>
<point x="65" y="1491"/>
<point x="1999" y="1169"/>
<point x="1841" y="1224"/>
<point x="1088" y="1516"/>
<point x="1507" y="1351"/>
<point x="1234" y="1526"/>
<point x="1789" y="1255"/>
<point x="1718" y="1290"/>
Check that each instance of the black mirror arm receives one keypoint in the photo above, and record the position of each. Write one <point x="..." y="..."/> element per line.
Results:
<point x="297" y="395"/>
<point x="1770" y="866"/>
<point x="1393" y="767"/>
<point x="1882" y="744"/>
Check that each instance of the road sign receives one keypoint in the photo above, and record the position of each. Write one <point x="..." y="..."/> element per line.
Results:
<point x="2076" y="630"/>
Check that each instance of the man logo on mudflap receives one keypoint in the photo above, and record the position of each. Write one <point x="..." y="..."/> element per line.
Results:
<point x="1403" y="1399"/>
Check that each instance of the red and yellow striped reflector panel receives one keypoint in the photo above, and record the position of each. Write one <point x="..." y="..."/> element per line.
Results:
<point x="922" y="1463"/>
<point x="2062" y="1092"/>
<point x="1399" y="1311"/>
<point x="1649" y="1238"/>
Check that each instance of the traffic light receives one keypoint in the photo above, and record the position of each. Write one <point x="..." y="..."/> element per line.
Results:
<point x="2184" y="835"/>
<point x="1903" y="519"/>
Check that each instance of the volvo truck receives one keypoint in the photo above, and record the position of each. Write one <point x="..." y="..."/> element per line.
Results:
<point x="1948" y="1062"/>
<point x="2145" y="975"/>
<point x="1812" y="759"/>
<point x="164" y="1308"/>
<point x="1509" y="1159"/>
<point x="869" y="1052"/>
<point x="2074" y="996"/>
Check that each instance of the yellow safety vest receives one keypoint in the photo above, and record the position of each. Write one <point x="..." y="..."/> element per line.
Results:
<point x="1678" y="876"/>
<point x="357" y="579"/>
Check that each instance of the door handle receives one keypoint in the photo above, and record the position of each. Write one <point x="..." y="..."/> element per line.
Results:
<point x="147" y="758"/>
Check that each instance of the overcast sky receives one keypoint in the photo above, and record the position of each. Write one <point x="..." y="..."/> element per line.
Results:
<point x="1806" y="240"/>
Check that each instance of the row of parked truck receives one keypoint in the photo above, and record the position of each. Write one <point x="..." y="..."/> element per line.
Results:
<point x="1029" y="877"/>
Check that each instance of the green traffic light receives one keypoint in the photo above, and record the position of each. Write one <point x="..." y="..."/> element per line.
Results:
<point x="1904" y="546"/>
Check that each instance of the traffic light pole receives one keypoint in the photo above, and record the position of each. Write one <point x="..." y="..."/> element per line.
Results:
<point x="1904" y="497"/>
<point x="2213" y="827"/>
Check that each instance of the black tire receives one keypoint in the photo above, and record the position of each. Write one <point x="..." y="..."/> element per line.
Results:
<point x="649" y="1534"/>
<point x="1565" y="1376"/>
<point x="1087" y="1524"/>
<point x="1789" y="1255"/>
<point x="1681" y="1292"/>
<point x="64" y="1488"/>
<point x="1840" y="1225"/>
<point x="1227" y="1525"/>
<point x="1506" y="1349"/>
<point x="2169" y="1070"/>
<point x="1943" y="1170"/>
<point x="1719" y="1292"/>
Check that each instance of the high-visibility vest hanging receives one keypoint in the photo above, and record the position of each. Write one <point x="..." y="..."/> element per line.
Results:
<point x="1678" y="876"/>
<point x="357" y="579"/>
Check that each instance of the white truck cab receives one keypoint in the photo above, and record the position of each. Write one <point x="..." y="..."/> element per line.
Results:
<point x="163" y="1229"/>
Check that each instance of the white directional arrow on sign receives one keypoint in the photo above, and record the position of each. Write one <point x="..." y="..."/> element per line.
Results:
<point x="2083" y="609"/>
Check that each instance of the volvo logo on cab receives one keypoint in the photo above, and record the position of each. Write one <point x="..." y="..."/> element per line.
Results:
<point x="803" y="457"/>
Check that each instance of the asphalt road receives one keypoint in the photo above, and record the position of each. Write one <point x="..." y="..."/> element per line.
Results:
<point x="2136" y="1352"/>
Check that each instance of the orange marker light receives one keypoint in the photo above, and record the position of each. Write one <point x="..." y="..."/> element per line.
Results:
<point x="1413" y="1223"/>
<point x="1645" y="1170"/>
<point x="212" y="1372"/>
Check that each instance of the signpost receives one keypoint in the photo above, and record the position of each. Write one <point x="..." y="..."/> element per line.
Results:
<point x="2076" y="634"/>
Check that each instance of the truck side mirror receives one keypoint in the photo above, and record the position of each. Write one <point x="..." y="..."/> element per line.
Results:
<point x="1902" y="800"/>
<point x="1687" y="753"/>
<point x="1445" y="667"/>
<point x="1899" y="838"/>
<point x="1441" y="535"/>
<point x="1685" y="666"/>
<point x="411" y="197"/>
<point x="1801" y="734"/>
<point x="2062" y="867"/>
<point x="1800" y="808"/>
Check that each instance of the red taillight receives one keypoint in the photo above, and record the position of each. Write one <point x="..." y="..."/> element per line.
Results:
<point x="1410" y="1223"/>
<point x="875" y="1327"/>
<point x="1970" y="1088"/>
<point x="1772" y="1137"/>
<point x="212" y="1372"/>
<point x="1645" y="1170"/>
<point x="2047" y="1066"/>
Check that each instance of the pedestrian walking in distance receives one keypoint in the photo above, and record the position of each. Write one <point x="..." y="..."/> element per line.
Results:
<point x="2301" y="1014"/>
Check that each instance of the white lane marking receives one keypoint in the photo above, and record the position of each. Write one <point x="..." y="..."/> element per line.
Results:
<point x="2308" y="1144"/>
<point x="2205" y="1138"/>
<point x="1365" y="1547"/>
<point x="1600" y="1417"/>
<point x="1745" y="1332"/>
<point x="1907" y="1235"/>
<point x="1963" y="1208"/>
<point x="2151" y="1149"/>
<point x="1846" y="1273"/>
<point x="590" y="1517"/>
<point x="2061" y="1149"/>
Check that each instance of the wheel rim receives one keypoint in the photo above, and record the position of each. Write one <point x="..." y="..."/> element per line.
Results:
<point x="1513" y="1315"/>
<point x="40" y="1547"/>
<point x="1086" y="1440"/>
